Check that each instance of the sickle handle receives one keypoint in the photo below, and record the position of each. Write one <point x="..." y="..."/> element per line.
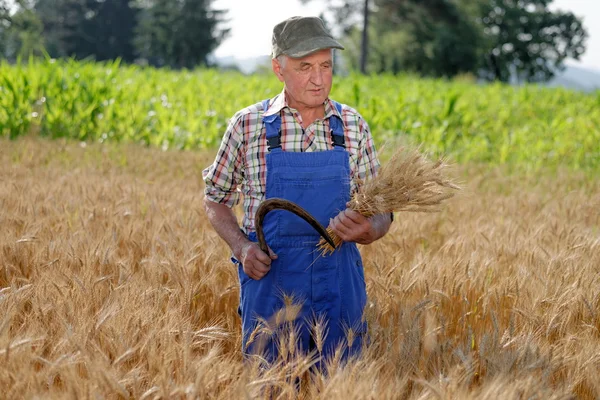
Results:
<point x="281" y="204"/>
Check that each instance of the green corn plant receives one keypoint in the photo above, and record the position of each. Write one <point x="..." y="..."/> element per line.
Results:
<point x="528" y="126"/>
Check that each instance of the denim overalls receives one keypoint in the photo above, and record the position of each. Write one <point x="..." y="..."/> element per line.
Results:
<point x="330" y="287"/>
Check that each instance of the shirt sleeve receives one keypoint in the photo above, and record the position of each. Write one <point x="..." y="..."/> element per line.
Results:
<point x="367" y="160"/>
<point x="225" y="174"/>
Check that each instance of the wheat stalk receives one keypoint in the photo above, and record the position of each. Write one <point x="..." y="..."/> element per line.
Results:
<point x="408" y="182"/>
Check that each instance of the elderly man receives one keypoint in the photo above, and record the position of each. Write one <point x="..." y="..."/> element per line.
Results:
<point x="306" y="148"/>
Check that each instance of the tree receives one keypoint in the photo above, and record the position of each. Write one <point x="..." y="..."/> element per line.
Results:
<point x="364" y="47"/>
<point x="528" y="42"/>
<point x="20" y="30"/>
<point x="102" y="29"/>
<point x="5" y="21"/>
<point x="24" y="35"/>
<point x="345" y="16"/>
<point x="179" y="33"/>
<point x="439" y="40"/>
<point x="63" y="26"/>
<point x="495" y="39"/>
<point x="153" y="33"/>
<point x="431" y="37"/>
<point x="113" y="29"/>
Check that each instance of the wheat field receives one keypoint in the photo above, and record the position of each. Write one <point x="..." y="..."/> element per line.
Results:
<point x="113" y="285"/>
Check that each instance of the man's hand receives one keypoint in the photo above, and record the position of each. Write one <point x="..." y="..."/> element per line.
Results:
<point x="255" y="262"/>
<point x="352" y="226"/>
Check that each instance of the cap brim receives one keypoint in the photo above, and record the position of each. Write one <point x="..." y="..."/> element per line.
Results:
<point x="313" y="45"/>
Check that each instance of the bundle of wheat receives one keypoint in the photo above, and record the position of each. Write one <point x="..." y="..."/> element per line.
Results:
<point x="409" y="181"/>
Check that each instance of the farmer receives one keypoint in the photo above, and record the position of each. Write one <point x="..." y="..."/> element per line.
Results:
<point x="304" y="147"/>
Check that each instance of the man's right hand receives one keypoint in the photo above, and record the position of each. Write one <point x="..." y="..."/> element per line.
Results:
<point x="255" y="262"/>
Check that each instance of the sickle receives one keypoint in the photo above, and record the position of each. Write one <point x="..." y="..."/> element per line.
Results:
<point x="281" y="204"/>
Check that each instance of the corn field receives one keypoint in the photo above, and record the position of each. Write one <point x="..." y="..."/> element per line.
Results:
<point x="114" y="285"/>
<point x="530" y="126"/>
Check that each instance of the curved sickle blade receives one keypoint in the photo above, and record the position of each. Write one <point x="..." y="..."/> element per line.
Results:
<point x="281" y="204"/>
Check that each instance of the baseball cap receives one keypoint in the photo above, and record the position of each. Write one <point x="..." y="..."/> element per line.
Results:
<point x="300" y="36"/>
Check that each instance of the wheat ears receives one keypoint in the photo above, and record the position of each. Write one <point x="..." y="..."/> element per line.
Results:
<point x="409" y="181"/>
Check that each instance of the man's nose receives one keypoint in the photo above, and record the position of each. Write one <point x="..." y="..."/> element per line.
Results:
<point x="317" y="76"/>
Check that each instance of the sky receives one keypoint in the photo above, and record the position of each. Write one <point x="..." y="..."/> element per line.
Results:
<point x="252" y="21"/>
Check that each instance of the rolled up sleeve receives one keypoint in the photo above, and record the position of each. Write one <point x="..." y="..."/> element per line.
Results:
<point x="367" y="160"/>
<point x="224" y="175"/>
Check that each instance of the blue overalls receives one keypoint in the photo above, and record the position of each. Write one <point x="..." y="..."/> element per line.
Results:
<point x="329" y="287"/>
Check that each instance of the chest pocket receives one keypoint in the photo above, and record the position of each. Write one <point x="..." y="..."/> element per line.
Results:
<point x="322" y="196"/>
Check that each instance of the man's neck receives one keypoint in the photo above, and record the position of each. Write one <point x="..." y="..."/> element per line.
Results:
<point x="308" y="114"/>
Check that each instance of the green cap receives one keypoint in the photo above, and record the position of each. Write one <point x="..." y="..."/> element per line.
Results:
<point x="300" y="36"/>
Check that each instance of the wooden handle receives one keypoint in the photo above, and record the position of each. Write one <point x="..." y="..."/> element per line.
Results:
<point x="281" y="204"/>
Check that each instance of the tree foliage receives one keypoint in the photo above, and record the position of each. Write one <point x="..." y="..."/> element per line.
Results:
<point x="438" y="39"/>
<point x="494" y="39"/>
<point x="5" y="22"/>
<point x="527" y="41"/>
<point x="179" y="33"/>
<point x="88" y="28"/>
<point x="176" y="33"/>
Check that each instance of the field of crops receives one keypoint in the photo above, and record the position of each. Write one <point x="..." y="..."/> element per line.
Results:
<point x="114" y="285"/>
<point x="529" y="126"/>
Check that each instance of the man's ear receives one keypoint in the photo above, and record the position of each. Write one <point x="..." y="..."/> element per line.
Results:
<point x="276" y="66"/>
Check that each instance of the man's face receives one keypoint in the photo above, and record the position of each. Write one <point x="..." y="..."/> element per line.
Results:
<point x="307" y="79"/>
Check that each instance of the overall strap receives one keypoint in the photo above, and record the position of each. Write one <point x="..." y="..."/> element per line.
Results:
<point x="273" y="126"/>
<point x="337" y="127"/>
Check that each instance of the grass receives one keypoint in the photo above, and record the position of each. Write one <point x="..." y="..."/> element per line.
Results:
<point x="112" y="284"/>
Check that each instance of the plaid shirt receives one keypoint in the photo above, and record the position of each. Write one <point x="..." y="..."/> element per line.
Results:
<point x="240" y="166"/>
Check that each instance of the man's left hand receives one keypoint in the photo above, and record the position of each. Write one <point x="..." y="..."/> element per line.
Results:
<point x="352" y="226"/>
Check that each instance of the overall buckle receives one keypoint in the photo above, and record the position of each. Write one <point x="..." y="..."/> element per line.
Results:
<point x="338" y="140"/>
<point x="274" y="142"/>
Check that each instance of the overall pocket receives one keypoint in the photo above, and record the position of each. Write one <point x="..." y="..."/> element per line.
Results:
<point x="302" y="190"/>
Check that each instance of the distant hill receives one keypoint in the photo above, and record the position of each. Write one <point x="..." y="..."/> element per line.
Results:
<point x="245" y="65"/>
<point x="573" y="77"/>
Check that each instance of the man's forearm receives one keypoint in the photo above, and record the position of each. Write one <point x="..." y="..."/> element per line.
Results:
<point x="225" y="224"/>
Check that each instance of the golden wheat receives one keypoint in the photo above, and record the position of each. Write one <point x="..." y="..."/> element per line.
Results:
<point x="408" y="181"/>
<point x="113" y="285"/>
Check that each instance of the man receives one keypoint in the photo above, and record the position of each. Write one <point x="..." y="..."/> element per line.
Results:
<point x="306" y="148"/>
